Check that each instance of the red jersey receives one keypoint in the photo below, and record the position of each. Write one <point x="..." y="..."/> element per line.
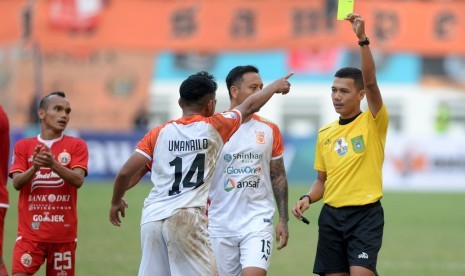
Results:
<point x="47" y="205"/>
<point x="4" y="155"/>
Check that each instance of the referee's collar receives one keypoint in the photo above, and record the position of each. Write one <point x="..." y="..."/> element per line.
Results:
<point x="349" y="120"/>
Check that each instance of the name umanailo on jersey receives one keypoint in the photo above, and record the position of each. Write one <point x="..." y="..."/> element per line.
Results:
<point x="48" y="204"/>
<point x="242" y="196"/>
<point x="352" y="156"/>
<point x="183" y="154"/>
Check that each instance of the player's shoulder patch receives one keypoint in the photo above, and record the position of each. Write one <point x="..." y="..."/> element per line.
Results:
<point x="229" y="115"/>
<point x="324" y="128"/>
<point x="262" y="119"/>
<point x="73" y="140"/>
<point x="328" y="126"/>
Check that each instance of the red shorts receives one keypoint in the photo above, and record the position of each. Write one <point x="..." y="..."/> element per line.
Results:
<point x="29" y="255"/>
<point x="2" y="224"/>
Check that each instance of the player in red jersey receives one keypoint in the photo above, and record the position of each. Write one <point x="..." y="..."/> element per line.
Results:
<point x="4" y="154"/>
<point x="48" y="170"/>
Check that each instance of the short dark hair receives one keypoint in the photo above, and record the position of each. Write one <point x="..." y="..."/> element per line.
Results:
<point x="352" y="73"/>
<point x="194" y="89"/>
<point x="235" y="75"/>
<point x="44" y="101"/>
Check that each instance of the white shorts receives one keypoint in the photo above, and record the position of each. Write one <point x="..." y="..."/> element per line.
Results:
<point x="178" y="245"/>
<point x="236" y="253"/>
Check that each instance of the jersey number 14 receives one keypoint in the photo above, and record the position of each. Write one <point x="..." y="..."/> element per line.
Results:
<point x="197" y="166"/>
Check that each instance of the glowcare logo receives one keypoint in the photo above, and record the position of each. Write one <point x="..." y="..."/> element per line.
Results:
<point x="248" y="170"/>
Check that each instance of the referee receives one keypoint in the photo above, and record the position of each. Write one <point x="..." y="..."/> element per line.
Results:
<point x="349" y="157"/>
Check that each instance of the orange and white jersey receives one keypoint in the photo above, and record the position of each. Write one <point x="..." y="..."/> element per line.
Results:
<point x="184" y="154"/>
<point x="241" y="194"/>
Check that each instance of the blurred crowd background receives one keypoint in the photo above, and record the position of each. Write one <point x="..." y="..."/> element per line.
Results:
<point x="120" y="63"/>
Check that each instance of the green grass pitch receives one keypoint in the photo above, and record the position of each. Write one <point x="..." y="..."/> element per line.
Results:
<point x="424" y="234"/>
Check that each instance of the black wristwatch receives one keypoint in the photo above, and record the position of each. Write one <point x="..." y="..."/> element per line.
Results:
<point x="309" y="199"/>
<point x="364" y="42"/>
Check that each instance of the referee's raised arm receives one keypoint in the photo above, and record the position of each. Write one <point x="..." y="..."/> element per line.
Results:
<point x="373" y="94"/>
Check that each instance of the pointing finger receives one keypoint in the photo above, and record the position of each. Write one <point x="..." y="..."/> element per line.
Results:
<point x="289" y="75"/>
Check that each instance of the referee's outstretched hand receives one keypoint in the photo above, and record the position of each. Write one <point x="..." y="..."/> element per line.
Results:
<point x="358" y="25"/>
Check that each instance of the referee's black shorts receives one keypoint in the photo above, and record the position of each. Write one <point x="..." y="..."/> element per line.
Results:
<point x="349" y="236"/>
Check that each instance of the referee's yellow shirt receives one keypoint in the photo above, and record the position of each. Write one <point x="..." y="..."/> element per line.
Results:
<point x="352" y="156"/>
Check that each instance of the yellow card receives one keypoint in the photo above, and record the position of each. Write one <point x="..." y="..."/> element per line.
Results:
<point x="344" y="7"/>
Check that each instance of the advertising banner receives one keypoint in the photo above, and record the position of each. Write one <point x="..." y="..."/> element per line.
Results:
<point x="424" y="163"/>
<point x="427" y="27"/>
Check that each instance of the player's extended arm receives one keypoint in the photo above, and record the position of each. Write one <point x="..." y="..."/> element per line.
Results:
<point x="316" y="193"/>
<point x="253" y="103"/>
<point x="280" y="191"/>
<point x="132" y="165"/>
<point x="373" y="94"/>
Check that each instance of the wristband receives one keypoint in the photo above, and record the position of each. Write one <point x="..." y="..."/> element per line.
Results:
<point x="364" y="42"/>
<point x="309" y="199"/>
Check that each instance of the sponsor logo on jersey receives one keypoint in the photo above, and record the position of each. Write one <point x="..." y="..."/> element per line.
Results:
<point x="64" y="158"/>
<point x="227" y="157"/>
<point x="35" y="225"/>
<point x="248" y="184"/>
<point x="49" y="198"/>
<point x="260" y="135"/>
<point x="229" y="185"/>
<point x="268" y="220"/>
<point x="248" y="170"/>
<point x="35" y="206"/>
<point x="26" y="259"/>
<point x="341" y="146"/>
<point x="62" y="273"/>
<point x="46" y="217"/>
<point x="229" y="115"/>
<point x="358" y="144"/>
<point x="244" y="157"/>
<point x="46" y="180"/>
